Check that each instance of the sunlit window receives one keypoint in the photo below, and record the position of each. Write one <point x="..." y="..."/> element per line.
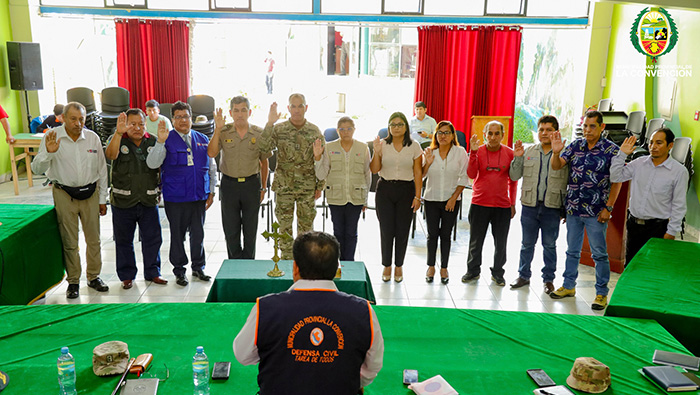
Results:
<point x="351" y="7"/>
<point x="126" y="3"/>
<point x="178" y="4"/>
<point x="505" y="7"/>
<point x="304" y="6"/>
<point x="231" y="4"/>
<point x="403" y="6"/>
<point x="451" y="7"/>
<point x="573" y="8"/>
<point x="74" y="3"/>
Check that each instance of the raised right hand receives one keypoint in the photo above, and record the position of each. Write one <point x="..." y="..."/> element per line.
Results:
<point x="474" y="143"/>
<point x="429" y="156"/>
<point x="557" y="143"/>
<point x="377" y="145"/>
<point x="121" y="125"/>
<point x="163" y="132"/>
<point x="318" y="149"/>
<point x="219" y="119"/>
<point x="273" y="116"/>
<point x="628" y="145"/>
<point x="51" y="143"/>
<point x="518" y="149"/>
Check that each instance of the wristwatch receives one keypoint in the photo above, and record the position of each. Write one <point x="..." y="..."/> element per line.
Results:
<point x="263" y="189"/>
<point x="610" y="208"/>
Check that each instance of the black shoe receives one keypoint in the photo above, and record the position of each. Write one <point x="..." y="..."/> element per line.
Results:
<point x="98" y="285"/>
<point x="181" y="280"/>
<point x="499" y="280"/>
<point x="445" y="280"/>
<point x="470" y="277"/>
<point x="200" y="274"/>
<point x="519" y="282"/>
<point x="73" y="291"/>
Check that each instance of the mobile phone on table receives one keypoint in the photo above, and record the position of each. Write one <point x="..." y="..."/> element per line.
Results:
<point x="221" y="371"/>
<point x="410" y="376"/>
<point x="540" y="377"/>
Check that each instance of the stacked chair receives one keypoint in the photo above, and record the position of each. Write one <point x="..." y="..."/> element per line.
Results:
<point x="115" y="100"/>
<point x="202" y="105"/>
<point x="166" y="109"/>
<point x="86" y="97"/>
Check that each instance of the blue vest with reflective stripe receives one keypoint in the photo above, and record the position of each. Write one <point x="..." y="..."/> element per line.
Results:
<point x="312" y="342"/>
<point x="183" y="183"/>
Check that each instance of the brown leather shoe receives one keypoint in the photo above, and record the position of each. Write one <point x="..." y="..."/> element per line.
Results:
<point x="159" y="280"/>
<point x="519" y="282"/>
<point x="126" y="284"/>
<point x="548" y="287"/>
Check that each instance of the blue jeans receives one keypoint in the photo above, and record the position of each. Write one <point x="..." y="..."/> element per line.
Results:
<point x="596" y="239"/>
<point x="534" y="220"/>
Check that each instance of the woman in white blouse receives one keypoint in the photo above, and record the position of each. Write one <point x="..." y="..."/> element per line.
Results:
<point x="445" y="171"/>
<point x="398" y="161"/>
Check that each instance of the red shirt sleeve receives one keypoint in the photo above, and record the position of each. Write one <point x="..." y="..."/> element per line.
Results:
<point x="3" y="114"/>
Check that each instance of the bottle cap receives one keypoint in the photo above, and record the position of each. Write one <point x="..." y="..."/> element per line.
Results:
<point x="64" y="350"/>
<point x="200" y="349"/>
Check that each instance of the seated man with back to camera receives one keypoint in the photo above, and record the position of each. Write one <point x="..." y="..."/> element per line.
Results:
<point x="319" y="341"/>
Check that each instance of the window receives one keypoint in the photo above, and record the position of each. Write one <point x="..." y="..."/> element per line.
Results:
<point x="451" y="7"/>
<point x="505" y="7"/>
<point x="402" y="6"/>
<point x="74" y="3"/>
<point x="178" y="4"/>
<point x="234" y="5"/>
<point x="126" y="3"/>
<point x="303" y="6"/>
<point x="372" y="7"/>
<point x="392" y="52"/>
<point x="571" y="8"/>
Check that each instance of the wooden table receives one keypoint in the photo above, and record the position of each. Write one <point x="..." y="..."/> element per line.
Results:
<point x="26" y="141"/>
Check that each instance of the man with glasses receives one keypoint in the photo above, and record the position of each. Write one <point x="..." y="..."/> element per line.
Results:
<point x="422" y="125"/>
<point x="188" y="179"/>
<point x="244" y="171"/>
<point x="295" y="177"/>
<point x="134" y="198"/>
<point x="543" y="194"/>
<point x="589" y="203"/>
<point x="493" y="200"/>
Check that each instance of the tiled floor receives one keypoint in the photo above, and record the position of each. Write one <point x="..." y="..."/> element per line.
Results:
<point x="413" y="291"/>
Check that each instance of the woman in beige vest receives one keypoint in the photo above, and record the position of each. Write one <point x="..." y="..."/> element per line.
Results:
<point x="344" y="164"/>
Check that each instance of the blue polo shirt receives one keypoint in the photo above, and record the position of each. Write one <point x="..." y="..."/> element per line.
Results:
<point x="589" y="176"/>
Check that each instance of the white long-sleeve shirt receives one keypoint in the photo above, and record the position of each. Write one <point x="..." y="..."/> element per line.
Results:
<point x="246" y="350"/>
<point x="444" y="176"/>
<point x="76" y="163"/>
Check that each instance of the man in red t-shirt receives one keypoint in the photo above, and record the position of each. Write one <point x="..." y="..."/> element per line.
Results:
<point x="270" y="73"/>
<point x="6" y="125"/>
<point x="493" y="200"/>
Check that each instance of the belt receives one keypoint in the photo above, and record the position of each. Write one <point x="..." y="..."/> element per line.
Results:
<point x="395" y="181"/>
<point x="640" y="221"/>
<point x="241" y="179"/>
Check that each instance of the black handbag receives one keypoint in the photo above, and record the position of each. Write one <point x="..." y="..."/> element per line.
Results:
<point x="79" y="193"/>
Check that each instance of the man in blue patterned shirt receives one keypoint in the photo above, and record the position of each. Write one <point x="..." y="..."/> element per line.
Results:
<point x="590" y="199"/>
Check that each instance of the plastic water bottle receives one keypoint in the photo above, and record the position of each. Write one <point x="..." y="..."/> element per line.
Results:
<point x="66" y="373"/>
<point x="200" y="370"/>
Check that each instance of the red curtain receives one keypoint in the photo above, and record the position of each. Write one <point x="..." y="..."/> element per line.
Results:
<point x="468" y="70"/>
<point x="153" y="60"/>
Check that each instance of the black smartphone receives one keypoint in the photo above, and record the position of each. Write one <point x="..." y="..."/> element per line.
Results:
<point x="540" y="377"/>
<point x="221" y="371"/>
<point x="410" y="376"/>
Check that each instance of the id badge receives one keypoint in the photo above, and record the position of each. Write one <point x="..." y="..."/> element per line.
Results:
<point x="190" y="160"/>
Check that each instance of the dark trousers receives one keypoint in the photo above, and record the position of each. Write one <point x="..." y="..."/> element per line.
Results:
<point x="345" y="219"/>
<point x="124" y="221"/>
<point x="186" y="216"/>
<point x="240" y="205"/>
<point x="638" y="235"/>
<point x="440" y="223"/>
<point x="394" y="213"/>
<point x="268" y="83"/>
<point x="479" y="219"/>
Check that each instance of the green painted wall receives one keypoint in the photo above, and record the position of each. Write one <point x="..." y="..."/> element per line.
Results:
<point x="9" y="99"/>
<point x="632" y="91"/>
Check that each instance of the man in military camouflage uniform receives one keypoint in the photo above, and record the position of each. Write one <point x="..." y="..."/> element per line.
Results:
<point x="295" y="179"/>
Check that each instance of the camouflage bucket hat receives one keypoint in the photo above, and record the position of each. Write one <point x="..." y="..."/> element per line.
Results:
<point x="589" y="375"/>
<point x="110" y="358"/>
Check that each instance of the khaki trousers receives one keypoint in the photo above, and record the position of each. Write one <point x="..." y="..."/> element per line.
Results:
<point x="68" y="211"/>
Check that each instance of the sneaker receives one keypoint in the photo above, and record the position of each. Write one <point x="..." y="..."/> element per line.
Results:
<point x="600" y="302"/>
<point x="563" y="293"/>
<point x="499" y="280"/>
<point x="470" y="277"/>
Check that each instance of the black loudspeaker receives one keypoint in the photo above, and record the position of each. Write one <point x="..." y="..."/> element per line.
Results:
<point x="24" y="60"/>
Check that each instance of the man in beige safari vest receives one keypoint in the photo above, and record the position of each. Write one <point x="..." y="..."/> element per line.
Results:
<point x="543" y="194"/>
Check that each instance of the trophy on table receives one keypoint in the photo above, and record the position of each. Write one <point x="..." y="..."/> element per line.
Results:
<point x="276" y="236"/>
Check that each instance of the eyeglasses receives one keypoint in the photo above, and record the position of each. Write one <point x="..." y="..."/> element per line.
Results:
<point x="346" y="129"/>
<point x="179" y="117"/>
<point x="441" y="133"/>
<point x="397" y="125"/>
<point x="498" y="166"/>
<point x="161" y="374"/>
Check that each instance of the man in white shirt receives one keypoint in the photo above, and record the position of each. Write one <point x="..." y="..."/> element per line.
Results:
<point x="73" y="159"/>
<point x="312" y="330"/>
<point x="422" y="125"/>
<point x="658" y="185"/>
<point x="154" y="118"/>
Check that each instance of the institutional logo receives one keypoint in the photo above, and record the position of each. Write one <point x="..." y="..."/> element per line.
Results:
<point x="654" y="33"/>
<point x="316" y="336"/>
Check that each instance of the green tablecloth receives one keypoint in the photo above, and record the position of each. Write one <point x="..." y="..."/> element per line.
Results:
<point x="31" y="252"/>
<point x="478" y="352"/>
<point x="662" y="282"/>
<point x="247" y="280"/>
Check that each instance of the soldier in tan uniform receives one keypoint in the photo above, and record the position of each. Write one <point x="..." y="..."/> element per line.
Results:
<point x="245" y="170"/>
<point x="295" y="178"/>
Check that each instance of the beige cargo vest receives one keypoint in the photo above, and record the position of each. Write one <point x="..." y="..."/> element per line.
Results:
<point x="346" y="182"/>
<point x="556" y="180"/>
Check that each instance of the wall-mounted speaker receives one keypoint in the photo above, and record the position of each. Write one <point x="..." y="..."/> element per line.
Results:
<point x="24" y="61"/>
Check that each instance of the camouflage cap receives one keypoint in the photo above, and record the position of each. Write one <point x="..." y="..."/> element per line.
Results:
<point x="110" y="358"/>
<point x="589" y="375"/>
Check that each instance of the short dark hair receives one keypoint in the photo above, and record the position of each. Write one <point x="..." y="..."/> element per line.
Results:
<point x="407" y="136"/>
<point x="152" y="104"/>
<point x="179" y="106"/>
<point x="136" y="111"/>
<point x="75" y="105"/>
<point x="548" y="119"/>
<point x="239" y="100"/>
<point x="670" y="136"/>
<point x="58" y="109"/>
<point x="595" y="114"/>
<point x="346" y="119"/>
<point x="421" y="104"/>
<point x="317" y="255"/>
